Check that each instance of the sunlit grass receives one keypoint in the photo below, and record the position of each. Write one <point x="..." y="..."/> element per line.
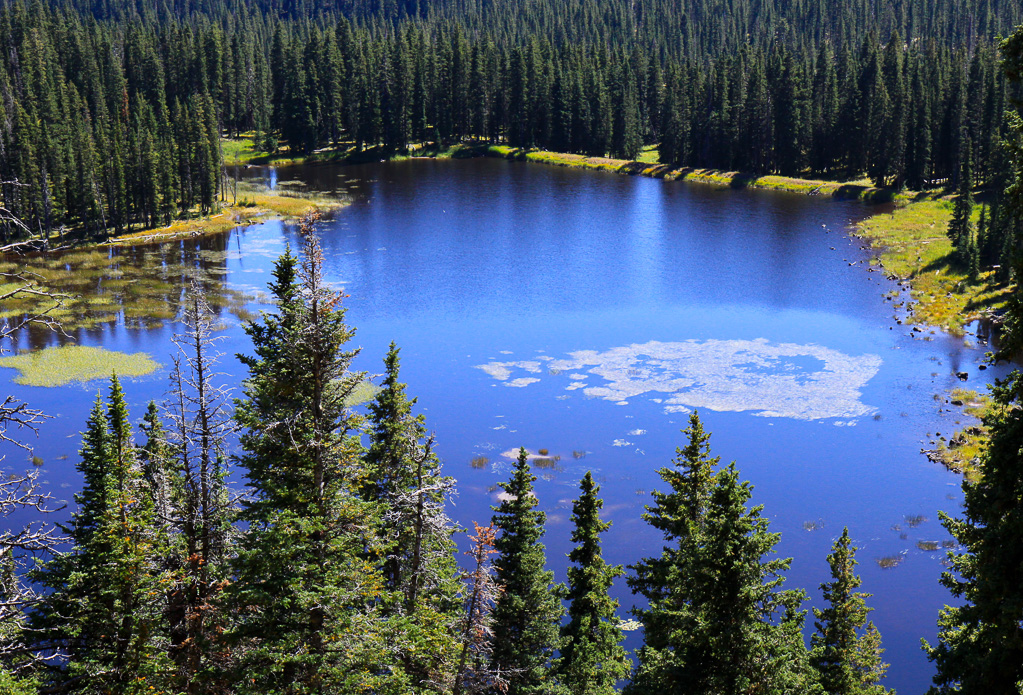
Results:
<point x="648" y="164"/>
<point x="914" y="245"/>
<point x="59" y="366"/>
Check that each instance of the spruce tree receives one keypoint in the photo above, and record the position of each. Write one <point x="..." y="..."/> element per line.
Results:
<point x="527" y="615"/>
<point x="592" y="658"/>
<point x="104" y="608"/>
<point x="307" y="592"/>
<point x="845" y="649"/>
<point x="718" y="619"/>
<point x="980" y="641"/>
<point x="404" y="482"/>
<point x="960" y="227"/>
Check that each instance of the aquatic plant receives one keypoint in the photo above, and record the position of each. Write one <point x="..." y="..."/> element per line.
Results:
<point x="363" y="392"/>
<point x="479" y="462"/>
<point x="58" y="366"/>
<point x="890" y="561"/>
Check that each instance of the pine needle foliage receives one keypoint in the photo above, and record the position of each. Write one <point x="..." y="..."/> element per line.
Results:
<point x="718" y="619"/>
<point x="308" y="590"/>
<point x="845" y="649"/>
<point x="592" y="657"/>
<point x="528" y="612"/>
<point x="103" y="613"/>
<point x="980" y="641"/>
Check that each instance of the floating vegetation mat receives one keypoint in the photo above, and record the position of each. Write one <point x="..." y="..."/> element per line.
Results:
<point x="890" y="561"/>
<point x="804" y="382"/>
<point x="58" y="366"/>
<point x="364" y="392"/>
<point x="140" y="286"/>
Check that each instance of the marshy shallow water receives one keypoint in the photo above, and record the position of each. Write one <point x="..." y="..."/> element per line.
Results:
<point x="584" y="314"/>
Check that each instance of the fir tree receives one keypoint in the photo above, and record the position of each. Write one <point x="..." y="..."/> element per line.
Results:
<point x="307" y="593"/>
<point x="528" y="612"/>
<point x="960" y="228"/>
<point x="103" y="613"/>
<point x="718" y="620"/>
<point x="592" y="658"/>
<point x="980" y="641"/>
<point x="845" y="648"/>
<point x="403" y="479"/>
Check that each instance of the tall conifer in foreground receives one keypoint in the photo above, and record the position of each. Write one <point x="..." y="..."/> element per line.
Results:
<point x="665" y="581"/>
<point x="528" y="612"/>
<point x="718" y="620"/>
<point x="404" y="483"/>
<point x="980" y="641"/>
<point x="103" y="613"/>
<point x="592" y="658"/>
<point x="308" y="590"/>
<point x="847" y="662"/>
<point x="200" y="511"/>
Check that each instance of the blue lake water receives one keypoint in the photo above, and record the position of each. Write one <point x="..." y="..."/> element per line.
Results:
<point x="586" y="314"/>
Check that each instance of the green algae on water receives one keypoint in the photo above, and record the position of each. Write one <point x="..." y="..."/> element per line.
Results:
<point x="59" y="366"/>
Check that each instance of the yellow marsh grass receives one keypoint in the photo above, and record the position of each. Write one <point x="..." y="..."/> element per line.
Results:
<point x="58" y="366"/>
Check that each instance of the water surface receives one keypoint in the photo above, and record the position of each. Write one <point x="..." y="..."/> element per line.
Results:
<point x="586" y="314"/>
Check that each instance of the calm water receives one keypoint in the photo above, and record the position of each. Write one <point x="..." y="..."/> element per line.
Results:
<point x="586" y="313"/>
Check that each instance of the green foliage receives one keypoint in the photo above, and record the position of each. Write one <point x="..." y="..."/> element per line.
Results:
<point x="104" y="608"/>
<point x="308" y="592"/>
<point x="527" y="615"/>
<point x="960" y="228"/>
<point x="718" y="620"/>
<point x="404" y="484"/>
<point x="980" y="641"/>
<point x="116" y="124"/>
<point x="845" y="650"/>
<point x="592" y="658"/>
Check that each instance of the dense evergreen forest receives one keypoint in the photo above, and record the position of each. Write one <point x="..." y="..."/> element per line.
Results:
<point x="336" y="570"/>
<point x="112" y="112"/>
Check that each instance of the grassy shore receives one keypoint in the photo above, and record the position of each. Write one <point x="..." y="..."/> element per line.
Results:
<point x="913" y="245"/>
<point x="647" y="165"/>
<point x="251" y="205"/>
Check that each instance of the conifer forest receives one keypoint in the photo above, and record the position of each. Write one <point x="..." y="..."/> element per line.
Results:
<point x="283" y="535"/>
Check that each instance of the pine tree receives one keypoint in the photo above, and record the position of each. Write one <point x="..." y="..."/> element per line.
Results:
<point x="680" y="516"/>
<point x="200" y="513"/>
<point x="103" y="611"/>
<point x="308" y="592"/>
<point x="980" y="641"/>
<point x="718" y="620"/>
<point x="403" y="479"/>
<point x="960" y="227"/>
<point x="528" y="612"/>
<point x="847" y="662"/>
<point x="592" y="658"/>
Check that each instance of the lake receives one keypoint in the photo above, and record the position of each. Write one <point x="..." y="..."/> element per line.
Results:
<point x="586" y="314"/>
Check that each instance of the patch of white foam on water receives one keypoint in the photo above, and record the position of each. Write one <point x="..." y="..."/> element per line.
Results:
<point x="803" y="382"/>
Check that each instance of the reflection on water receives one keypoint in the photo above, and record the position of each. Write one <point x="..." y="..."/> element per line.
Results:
<point x="138" y="287"/>
<point x="587" y="290"/>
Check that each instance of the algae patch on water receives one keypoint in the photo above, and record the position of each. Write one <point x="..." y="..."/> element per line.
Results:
<point x="59" y="366"/>
<point x="803" y="382"/>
